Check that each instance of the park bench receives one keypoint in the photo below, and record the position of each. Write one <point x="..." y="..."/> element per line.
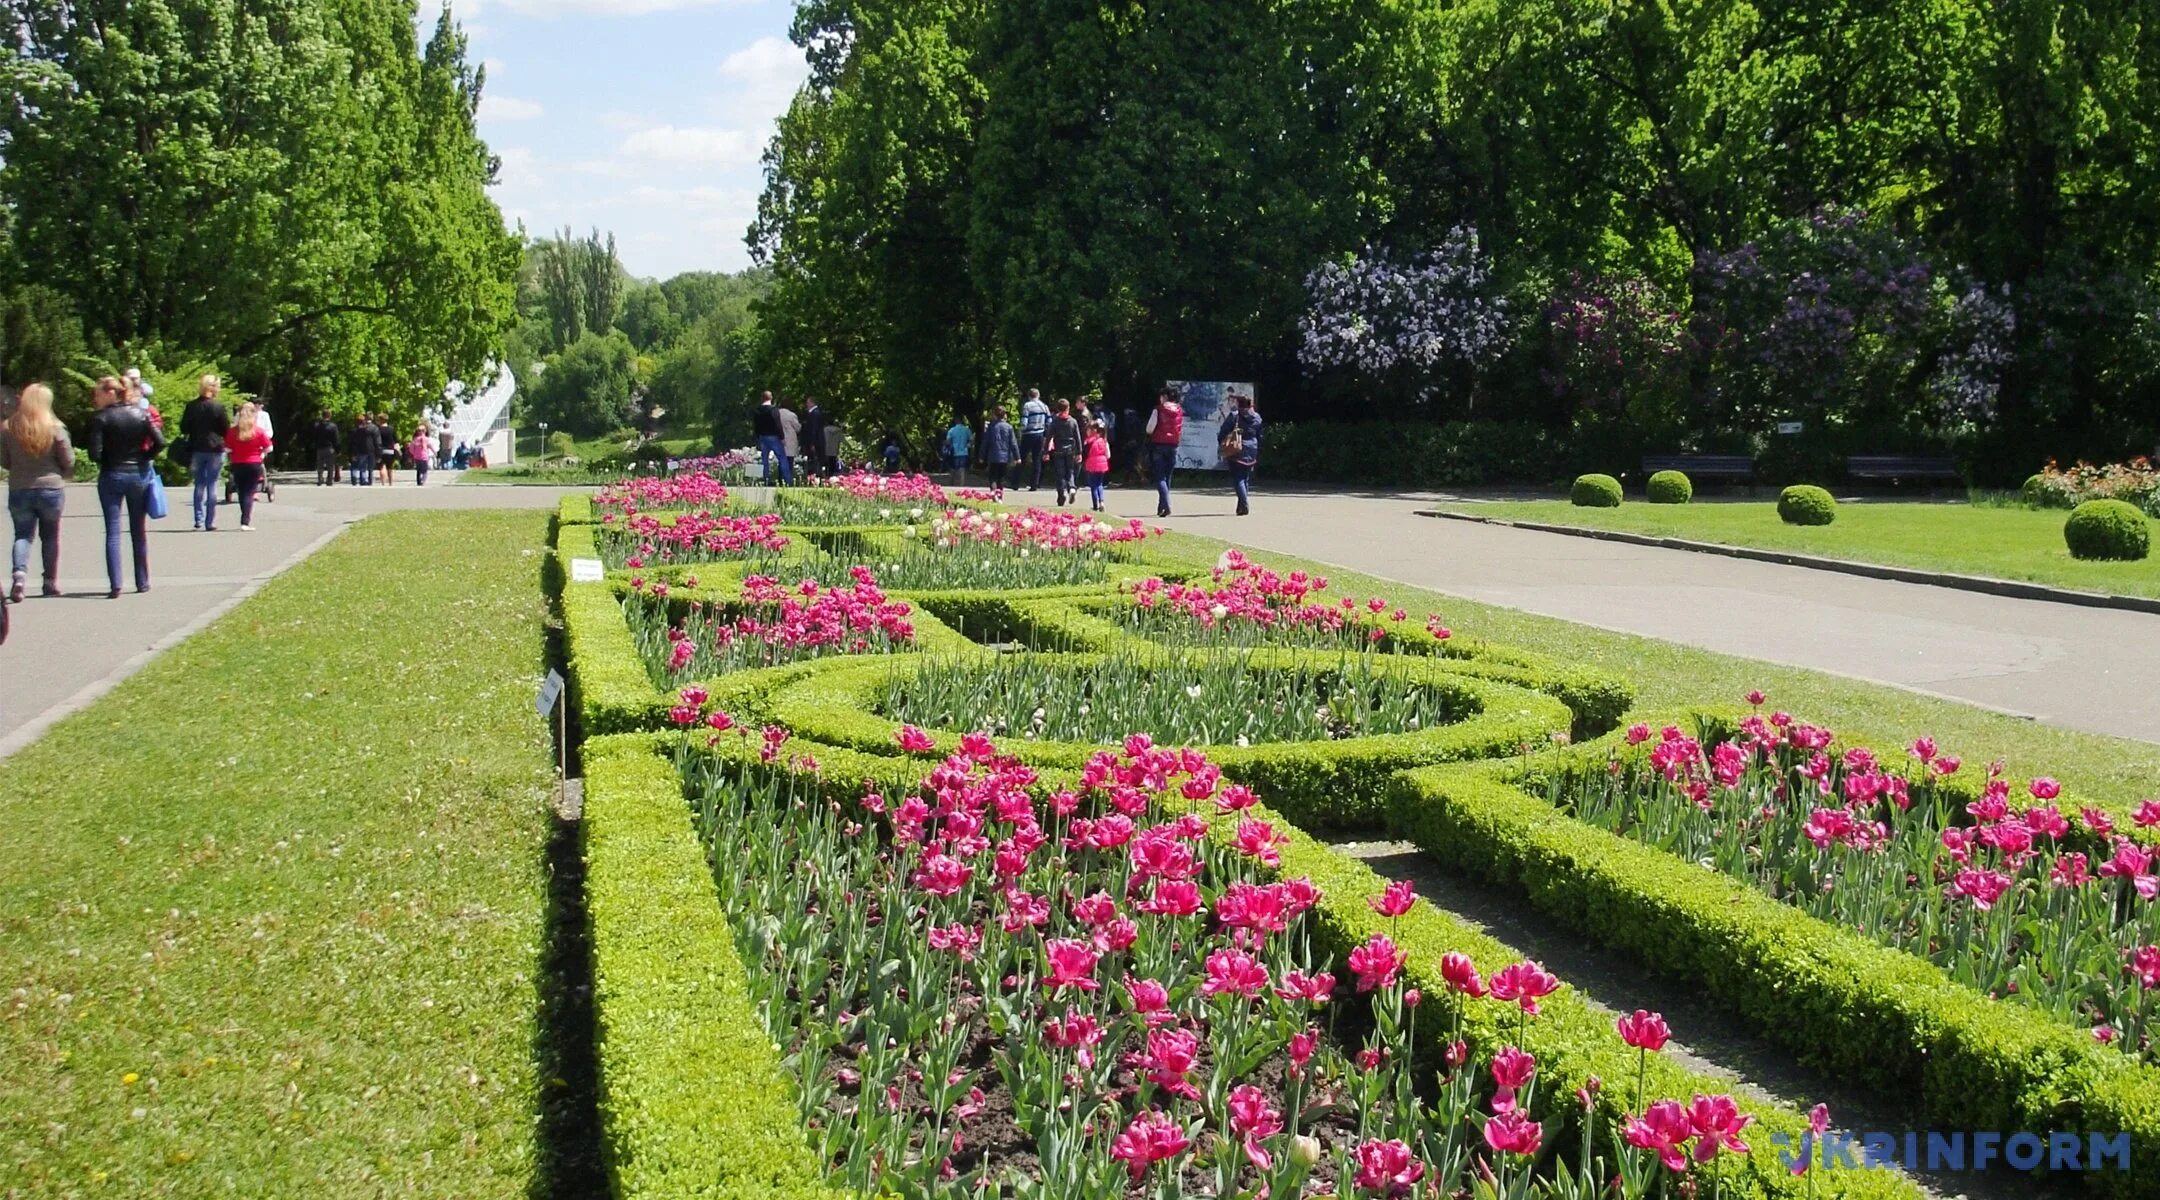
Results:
<point x="1702" y="466"/>
<point x="1896" y="468"/>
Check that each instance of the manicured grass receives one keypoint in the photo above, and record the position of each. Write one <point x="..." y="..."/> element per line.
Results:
<point x="1668" y="676"/>
<point x="272" y="914"/>
<point x="2002" y="541"/>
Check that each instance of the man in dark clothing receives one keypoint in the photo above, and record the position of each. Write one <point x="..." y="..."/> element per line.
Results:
<point x="814" y="421"/>
<point x="326" y="443"/>
<point x="202" y="427"/>
<point x="362" y="448"/>
<point x="765" y="423"/>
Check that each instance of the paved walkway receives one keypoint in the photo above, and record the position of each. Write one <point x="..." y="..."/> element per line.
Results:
<point x="62" y="653"/>
<point x="2090" y="669"/>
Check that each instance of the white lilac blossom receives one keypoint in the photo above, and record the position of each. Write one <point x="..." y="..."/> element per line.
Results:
<point x="1378" y="315"/>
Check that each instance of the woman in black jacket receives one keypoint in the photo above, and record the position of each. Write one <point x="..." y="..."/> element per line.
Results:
<point x="124" y="445"/>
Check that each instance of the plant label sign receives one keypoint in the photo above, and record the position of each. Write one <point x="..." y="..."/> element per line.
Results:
<point x="1790" y="428"/>
<point x="550" y="692"/>
<point x="587" y="570"/>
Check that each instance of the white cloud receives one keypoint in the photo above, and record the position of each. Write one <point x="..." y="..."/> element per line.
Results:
<point x="508" y="108"/>
<point x="695" y="144"/>
<point x="767" y="73"/>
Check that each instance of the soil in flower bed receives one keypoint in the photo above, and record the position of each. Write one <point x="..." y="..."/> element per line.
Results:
<point x="1218" y="700"/>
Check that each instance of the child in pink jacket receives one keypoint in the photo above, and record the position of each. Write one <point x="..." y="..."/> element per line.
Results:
<point x="1095" y="460"/>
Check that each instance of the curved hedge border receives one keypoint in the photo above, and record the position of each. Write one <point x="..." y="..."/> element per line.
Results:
<point x="694" y="1101"/>
<point x="1878" y="1016"/>
<point x="1572" y="1039"/>
<point x="1318" y="784"/>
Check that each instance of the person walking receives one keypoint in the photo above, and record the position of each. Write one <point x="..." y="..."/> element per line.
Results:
<point x="1165" y="428"/>
<point x="1095" y="460"/>
<point x="765" y="423"/>
<point x="1239" y="442"/>
<point x="1034" y="430"/>
<point x="813" y="436"/>
<point x="790" y="443"/>
<point x="1001" y="448"/>
<point x="248" y="444"/>
<point x="362" y="448"/>
<point x="835" y="438"/>
<point x="202" y="428"/>
<point x="124" y="444"/>
<point x="1064" y="447"/>
<point x="443" y="447"/>
<point x="422" y="446"/>
<point x="39" y="459"/>
<point x="386" y="441"/>
<point x="325" y="433"/>
<point x="959" y="444"/>
<point x="889" y="451"/>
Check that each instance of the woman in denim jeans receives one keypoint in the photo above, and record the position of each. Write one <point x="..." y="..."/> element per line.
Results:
<point x="125" y="446"/>
<point x="34" y="449"/>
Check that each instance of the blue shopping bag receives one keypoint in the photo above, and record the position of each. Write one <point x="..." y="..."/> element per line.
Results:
<point x="154" y="500"/>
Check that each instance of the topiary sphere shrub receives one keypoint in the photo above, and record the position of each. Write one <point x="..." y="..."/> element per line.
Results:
<point x="1806" y="504"/>
<point x="2110" y="530"/>
<point x="2035" y="491"/>
<point x="1670" y="487"/>
<point x="1596" y="491"/>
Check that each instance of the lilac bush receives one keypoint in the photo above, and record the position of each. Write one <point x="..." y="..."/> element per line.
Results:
<point x="1979" y="347"/>
<point x="1406" y="321"/>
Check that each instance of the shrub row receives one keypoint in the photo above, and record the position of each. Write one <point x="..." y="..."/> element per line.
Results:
<point x="1320" y="785"/>
<point x="1877" y="1016"/>
<point x="694" y="1101"/>
<point x="1573" y="1040"/>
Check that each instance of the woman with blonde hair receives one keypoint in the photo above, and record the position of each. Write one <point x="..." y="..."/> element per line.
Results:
<point x="247" y="443"/>
<point x="39" y="459"/>
<point x="124" y="445"/>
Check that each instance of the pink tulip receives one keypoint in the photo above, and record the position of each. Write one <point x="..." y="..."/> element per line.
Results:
<point x="1147" y="995"/>
<point x="943" y="875"/>
<point x="1512" y="1132"/>
<point x="1313" y="989"/>
<point x="957" y="939"/>
<point x="912" y="739"/>
<point x="1644" y="1030"/>
<point x="1376" y="962"/>
<point x="1663" y="1129"/>
<point x="2044" y="788"/>
<point x="1171" y="1056"/>
<point x="1152" y="1137"/>
<point x="1461" y="974"/>
<point x="1234" y="973"/>
<point x="1302" y="1045"/>
<point x="1395" y="901"/>
<point x="1387" y="1167"/>
<point x="2147" y="814"/>
<point x="1716" y="1122"/>
<point x="1523" y="983"/>
<point x="1072" y="964"/>
<point x="1251" y="1116"/>
<point x="2145" y="965"/>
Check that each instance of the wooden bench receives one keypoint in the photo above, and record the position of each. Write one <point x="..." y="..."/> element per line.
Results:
<point x="1702" y="466"/>
<point x="1895" y="468"/>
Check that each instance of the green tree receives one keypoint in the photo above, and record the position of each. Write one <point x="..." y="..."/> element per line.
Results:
<point x="647" y="318"/>
<point x="589" y="388"/>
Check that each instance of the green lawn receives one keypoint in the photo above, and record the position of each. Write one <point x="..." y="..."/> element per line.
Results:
<point x="1667" y="675"/>
<point x="1999" y="541"/>
<point x="272" y="914"/>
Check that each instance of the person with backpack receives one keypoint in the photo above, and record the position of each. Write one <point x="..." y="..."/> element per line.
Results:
<point x="1064" y="447"/>
<point x="1034" y="429"/>
<point x="1239" y="442"/>
<point x="202" y="430"/>
<point x="1001" y="448"/>
<point x="124" y="443"/>
<point x="1165" y="428"/>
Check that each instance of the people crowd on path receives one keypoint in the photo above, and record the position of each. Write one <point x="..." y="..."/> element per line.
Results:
<point x="1077" y="443"/>
<point x="125" y="436"/>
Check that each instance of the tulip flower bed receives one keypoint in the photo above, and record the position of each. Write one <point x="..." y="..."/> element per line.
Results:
<point x="964" y="549"/>
<point x="695" y="489"/>
<point x="640" y="541"/>
<point x="1205" y="699"/>
<point x="771" y="626"/>
<point x="2054" y="910"/>
<point x="1097" y="993"/>
<point x="1249" y="605"/>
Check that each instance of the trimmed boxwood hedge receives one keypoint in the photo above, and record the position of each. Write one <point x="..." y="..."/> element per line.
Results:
<point x="1573" y="1040"/>
<point x="1595" y="491"/>
<point x="1806" y="504"/>
<point x="1670" y="487"/>
<point x="1883" y="1018"/>
<point x="694" y="1100"/>
<point x="2108" y="531"/>
<point x="1318" y="784"/>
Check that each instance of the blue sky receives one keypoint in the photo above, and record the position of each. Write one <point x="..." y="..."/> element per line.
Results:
<point x="645" y="117"/>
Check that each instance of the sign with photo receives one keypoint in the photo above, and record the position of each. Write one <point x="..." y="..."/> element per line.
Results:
<point x="1205" y="405"/>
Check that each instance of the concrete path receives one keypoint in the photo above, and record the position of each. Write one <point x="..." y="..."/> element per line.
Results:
<point x="2081" y="668"/>
<point x="62" y="653"/>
